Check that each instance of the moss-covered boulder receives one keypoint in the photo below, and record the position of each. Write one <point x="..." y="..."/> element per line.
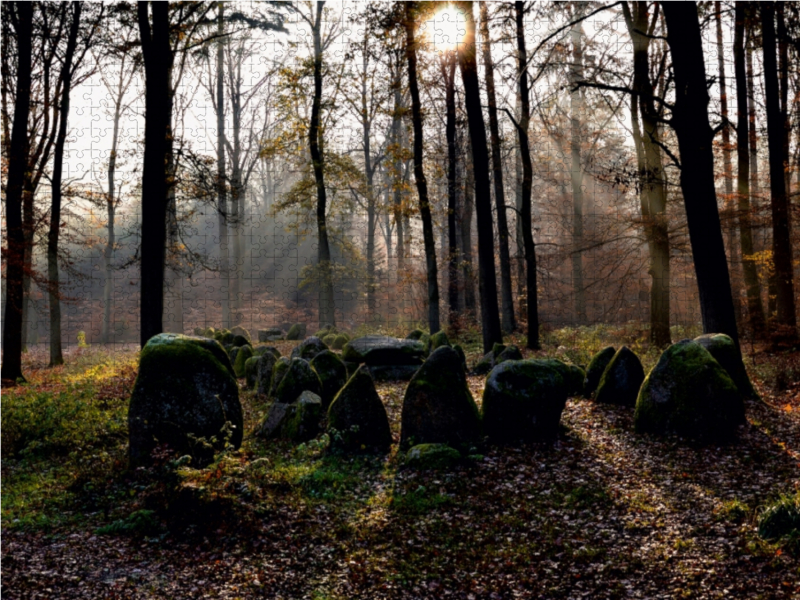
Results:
<point x="309" y="348"/>
<point x="432" y="456"/>
<point x="416" y="335"/>
<point x="262" y="349"/>
<point x="266" y="365"/>
<point x="332" y="375"/>
<point x="239" y="330"/>
<point x="724" y="351"/>
<point x="299" y="378"/>
<point x="621" y="379"/>
<point x="240" y="340"/>
<point x="339" y="341"/>
<point x="242" y="355"/>
<point x="689" y="394"/>
<point x="329" y="339"/>
<point x="296" y="332"/>
<point x="572" y="375"/>
<point x="522" y="402"/>
<point x="438" y="406"/>
<point x="251" y="372"/>
<point x="232" y="352"/>
<point x="272" y="425"/>
<point x="461" y="354"/>
<point x="278" y="372"/>
<point x="595" y="370"/>
<point x="326" y="330"/>
<point x="383" y="350"/>
<point x="437" y="340"/>
<point x="303" y="420"/>
<point x="185" y="387"/>
<point x="510" y="352"/>
<point x="357" y="420"/>
<point x="223" y="336"/>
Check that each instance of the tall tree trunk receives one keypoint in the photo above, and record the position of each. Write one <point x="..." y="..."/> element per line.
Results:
<point x="487" y="279"/>
<point x="222" y="189"/>
<point x="781" y="224"/>
<point x="28" y="227"/>
<point x="755" y="308"/>
<point x="17" y="161"/>
<point x="397" y="168"/>
<point x="448" y="68"/>
<point x="419" y="173"/>
<point x="576" y="171"/>
<point x="508" y="320"/>
<point x="369" y="170"/>
<point x="108" y="251"/>
<point x="695" y="138"/>
<point x="525" y="216"/>
<point x="520" y="238"/>
<point x="726" y="162"/>
<point x="56" y="357"/>
<point x="326" y="306"/>
<point x="653" y="191"/>
<point x="467" y="268"/>
<point x="158" y="60"/>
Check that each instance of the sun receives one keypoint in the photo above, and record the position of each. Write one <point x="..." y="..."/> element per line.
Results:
<point x="449" y="29"/>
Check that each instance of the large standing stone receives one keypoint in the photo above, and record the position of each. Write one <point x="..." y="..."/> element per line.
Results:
<point x="523" y="401"/>
<point x="309" y="348"/>
<point x="240" y="340"/>
<point x="689" y="394"/>
<point x="357" y="419"/>
<point x="438" y="407"/>
<point x="381" y="373"/>
<point x="278" y="371"/>
<point x="437" y="340"/>
<point x="573" y="375"/>
<point x="185" y="386"/>
<point x="621" y="379"/>
<point x="299" y="378"/>
<point x="239" y="330"/>
<point x="724" y="351"/>
<point x="339" y="341"/>
<point x="242" y="355"/>
<point x="296" y="332"/>
<point x="262" y="349"/>
<point x="266" y="364"/>
<point x="595" y="370"/>
<point x="303" y="422"/>
<point x="332" y="375"/>
<point x="251" y="371"/>
<point x="498" y="354"/>
<point x="383" y="350"/>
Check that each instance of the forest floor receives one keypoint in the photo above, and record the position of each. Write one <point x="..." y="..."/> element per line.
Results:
<point x="602" y="513"/>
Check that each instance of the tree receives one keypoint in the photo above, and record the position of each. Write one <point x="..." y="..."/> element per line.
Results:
<point x="525" y="217"/>
<point x="781" y="216"/>
<point x="410" y="24"/>
<point x="507" y="301"/>
<point x="21" y="17"/>
<point x="158" y="62"/>
<point x="468" y="65"/>
<point x="447" y="65"/>
<point x="652" y="181"/>
<point x="755" y="308"/>
<point x="695" y="137"/>
<point x="576" y="171"/>
<point x="67" y="72"/>
<point x="222" y="189"/>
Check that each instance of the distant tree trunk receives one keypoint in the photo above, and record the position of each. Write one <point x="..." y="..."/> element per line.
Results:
<point x="755" y="308"/>
<point x="448" y="68"/>
<point x="576" y="172"/>
<point x="520" y="238"/>
<point x="695" y="138"/>
<point x="397" y="185"/>
<point x="222" y="189"/>
<point x="419" y="174"/>
<point x="108" y="251"/>
<point x="781" y="216"/>
<point x="369" y="170"/>
<point x="467" y="269"/>
<point x="509" y="322"/>
<point x="326" y="306"/>
<point x="726" y="161"/>
<point x="158" y="60"/>
<point x="653" y="191"/>
<point x="487" y="278"/>
<point x="56" y="357"/>
<point x="22" y="21"/>
<point x="525" y="216"/>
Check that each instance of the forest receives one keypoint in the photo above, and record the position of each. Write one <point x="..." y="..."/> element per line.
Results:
<point x="374" y="299"/>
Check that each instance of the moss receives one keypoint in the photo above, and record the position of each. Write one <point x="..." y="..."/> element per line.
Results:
<point x="688" y="393"/>
<point x="432" y="456"/>
<point x="339" y="341"/>
<point x="594" y="372"/>
<point x="332" y="374"/>
<point x="572" y="386"/>
<point x="417" y="334"/>
<point x="299" y="377"/>
<point x="437" y="340"/>
<point x="309" y="348"/>
<point x="357" y="420"/>
<point x="509" y="353"/>
<point x="296" y="332"/>
<point x="328" y="339"/>
<point x="238" y="330"/>
<point x="242" y="355"/>
<point x="325" y="331"/>
<point x="251" y="371"/>
<point x="278" y="372"/>
<point x="724" y="351"/>
<point x="302" y="422"/>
